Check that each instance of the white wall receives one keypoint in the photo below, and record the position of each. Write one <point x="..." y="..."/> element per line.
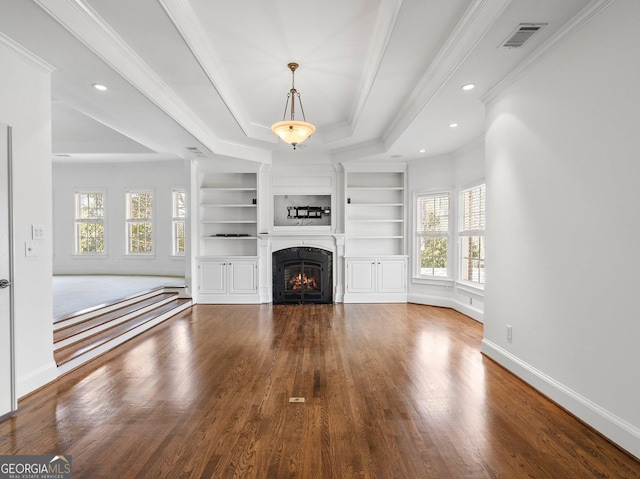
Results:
<point x="443" y="174"/>
<point x="25" y="104"/>
<point x="115" y="180"/>
<point x="562" y="225"/>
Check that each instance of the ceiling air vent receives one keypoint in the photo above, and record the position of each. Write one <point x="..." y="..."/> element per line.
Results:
<point x="194" y="151"/>
<point x="521" y="34"/>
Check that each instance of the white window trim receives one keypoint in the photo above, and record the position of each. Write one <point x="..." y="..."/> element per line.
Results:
<point x="428" y="279"/>
<point x="175" y="219"/>
<point x="76" y="247"/>
<point x="127" y="221"/>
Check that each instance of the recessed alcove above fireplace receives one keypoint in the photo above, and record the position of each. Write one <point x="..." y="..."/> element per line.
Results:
<point x="302" y="275"/>
<point x="306" y="211"/>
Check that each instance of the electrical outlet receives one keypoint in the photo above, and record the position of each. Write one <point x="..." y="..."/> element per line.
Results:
<point x="470" y="300"/>
<point x="509" y="333"/>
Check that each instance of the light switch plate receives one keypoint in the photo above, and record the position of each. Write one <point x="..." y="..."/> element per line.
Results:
<point x="37" y="232"/>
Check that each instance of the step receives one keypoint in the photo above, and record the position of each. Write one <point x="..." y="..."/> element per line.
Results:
<point x="75" y="331"/>
<point x="80" y="316"/>
<point x="81" y="351"/>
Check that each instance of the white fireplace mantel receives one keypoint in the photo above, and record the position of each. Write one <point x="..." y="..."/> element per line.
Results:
<point x="277" y="240"/>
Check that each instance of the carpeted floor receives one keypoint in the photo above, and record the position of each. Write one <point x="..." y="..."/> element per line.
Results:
<point x="75" y="293"/>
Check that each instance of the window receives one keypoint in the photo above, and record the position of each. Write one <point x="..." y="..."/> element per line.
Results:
<point x="89" y="223"/>
<point x="471" y="233"/>
<point x="178" y="222"/>
<point x="432" y="231"/>
<point x="139" y="222"/>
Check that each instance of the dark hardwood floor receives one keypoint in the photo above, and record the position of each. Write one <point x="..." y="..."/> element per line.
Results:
<point x="391" y="391"/>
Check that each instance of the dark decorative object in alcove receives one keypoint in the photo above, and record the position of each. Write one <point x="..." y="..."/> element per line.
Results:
<point x="302" y="275"/>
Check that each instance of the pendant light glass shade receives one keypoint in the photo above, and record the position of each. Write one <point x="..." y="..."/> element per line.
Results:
<point x="293" y="131"/>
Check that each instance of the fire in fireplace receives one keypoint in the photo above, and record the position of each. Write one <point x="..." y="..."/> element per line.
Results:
<point x="302" y="275"/>
<point x="299" y="281"/>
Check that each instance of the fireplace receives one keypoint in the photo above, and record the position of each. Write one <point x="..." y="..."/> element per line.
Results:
<point x="302" y="275"/>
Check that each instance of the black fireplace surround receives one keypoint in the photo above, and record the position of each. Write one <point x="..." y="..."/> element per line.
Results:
<point x="302" y="275"/>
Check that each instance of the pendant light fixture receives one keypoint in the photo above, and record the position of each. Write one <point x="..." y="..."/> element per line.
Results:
<point x="292" y="131"/>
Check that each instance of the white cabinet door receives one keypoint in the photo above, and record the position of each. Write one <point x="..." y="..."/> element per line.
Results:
<point x="361" y="275"/>
<point x="391" y="275"/>
<point x="242" y="276"/>
<point x="212" y="276"/>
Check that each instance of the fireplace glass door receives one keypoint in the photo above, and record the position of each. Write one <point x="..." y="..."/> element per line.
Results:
<point x="303" y="281"/>
<point x="302" y="275"/>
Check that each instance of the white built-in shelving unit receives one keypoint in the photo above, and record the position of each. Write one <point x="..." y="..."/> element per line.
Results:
<point x="375" y="213"/>
<point x="375" y="238"/>
<point x="228" y="214"/>
<point x="227" y="262"/>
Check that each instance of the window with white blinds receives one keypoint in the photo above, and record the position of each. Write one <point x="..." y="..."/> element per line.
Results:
<point x="472" y="210"/>
<point x="471" y="227"/>
<point x="432" y="234"/>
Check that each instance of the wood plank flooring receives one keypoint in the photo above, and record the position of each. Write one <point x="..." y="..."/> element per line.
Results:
<point x="391" y="391"/>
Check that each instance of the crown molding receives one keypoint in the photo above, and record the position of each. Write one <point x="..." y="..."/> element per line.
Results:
<point x="25" y="55"/>
<point x="474" y="25"/>
<point x="361" y="150"/>
<point x="387" y="18"/>
<point x="193" y="33"/>
<point x="587" y="14"/>
<point x="478" y="140"/>
<point x="87" y="26"/>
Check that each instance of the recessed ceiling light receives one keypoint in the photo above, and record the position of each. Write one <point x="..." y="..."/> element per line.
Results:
<point x="453" y="125"/>
<point x="423" y="150"/>
<point x="468" y="86"/>
<point x="98" y="86"/>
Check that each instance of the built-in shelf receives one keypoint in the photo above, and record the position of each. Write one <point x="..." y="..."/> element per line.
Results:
<point x="376" y="236"/>
<point x="229" y="222"/>
<point x="374" y="204"/>
<point x="230" y="237"/>
<point x="374" y="212"/>
<point x="376" y="187"/>
<point x="378" y="221"/>
<point x="221" y="205"/>
<point x="228" y="213"/>
<point x="206" y="188"/>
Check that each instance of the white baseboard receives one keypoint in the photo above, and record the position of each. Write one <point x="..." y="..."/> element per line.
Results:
<point x="624" y="434"/>
<point x="27" y="383"/>
<point x="206" y="298"/>
<point x="444" y="302"/>
<point x="429" y="300"/>
<point x="469" y="311"/>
